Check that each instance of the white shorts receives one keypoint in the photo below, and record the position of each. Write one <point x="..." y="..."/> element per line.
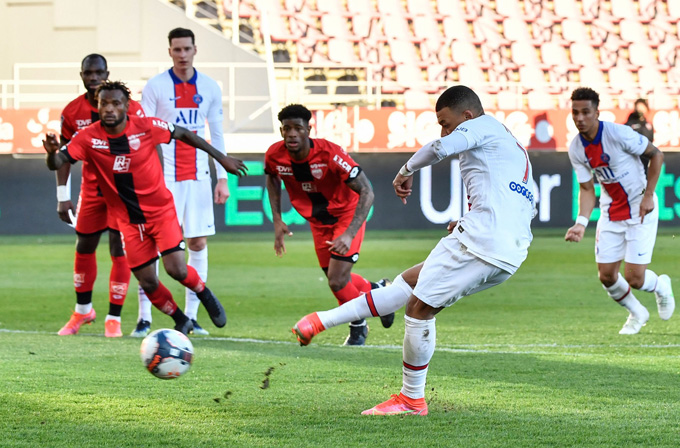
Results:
<point x="194" y="206"/>
<point x="625" y="240"/>
<point x="451" y="272"/>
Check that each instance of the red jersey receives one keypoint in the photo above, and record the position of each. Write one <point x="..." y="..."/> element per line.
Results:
<point x="77" y="115"/>
<point x="317" y="186"/>
<point x="127" y="167"/>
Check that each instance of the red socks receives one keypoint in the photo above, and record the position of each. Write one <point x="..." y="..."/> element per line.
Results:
<point x="84" y="272"/>
<point x="193" y="280"/>
<point x="361" y="283"/>
<point x="119" y="280"/>
<point x="162" y="299"/>
<point x="356" y="286"/>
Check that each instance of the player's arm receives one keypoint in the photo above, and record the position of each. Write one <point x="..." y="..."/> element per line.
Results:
<point x="362" y="187"/>
<point x="55" y="159"/>
<point x="653" y="171"/>
<point x="280" y="228"/>
<point x="232" y="165"/>
<point x="430" y="154"/>
<point x="64" y="204"/>
<point x="217" y="140"/>
<point x="587" y="201"/>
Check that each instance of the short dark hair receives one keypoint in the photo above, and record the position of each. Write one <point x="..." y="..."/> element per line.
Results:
<point x="295" y="111"/>
<point x="459" y="98"/>
<point x="180" y="32"/>
<point x="586" y="94"/>
<point x="91" y="56"/>
<point x="642" y="101"/>
<point x="113" y="85"/>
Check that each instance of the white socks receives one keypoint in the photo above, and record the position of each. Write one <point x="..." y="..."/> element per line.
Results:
<point x="650" y="281"/>
<point x="144" y="302"/>
<point x="83" y="309"/>
<point x="419" y="342"/>
<point x="199" y="261"/>
<point x="382" y="301"/>
<point x="621" y="293"/>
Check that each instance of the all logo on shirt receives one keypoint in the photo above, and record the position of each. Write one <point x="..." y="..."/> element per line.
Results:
<point x="345" y="166"/>
<point x="121" y="164"/>
<point x="98" y="143"/>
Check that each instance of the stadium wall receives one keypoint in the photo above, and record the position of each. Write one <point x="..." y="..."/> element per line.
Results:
<point x="28" y="201"/>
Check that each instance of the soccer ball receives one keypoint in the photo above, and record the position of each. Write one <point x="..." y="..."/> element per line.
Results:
<point x="167" y="353"/>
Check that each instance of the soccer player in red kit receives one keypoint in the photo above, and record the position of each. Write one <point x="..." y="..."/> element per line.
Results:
<point x="122" y="151"/>
<point x="329" y="190"/>
<point x="92" y="216"/>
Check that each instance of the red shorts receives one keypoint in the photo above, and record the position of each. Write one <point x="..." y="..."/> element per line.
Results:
<point x="93" y="215"/>
<point x="143" y="242"/>
<point x="323" y="233"/>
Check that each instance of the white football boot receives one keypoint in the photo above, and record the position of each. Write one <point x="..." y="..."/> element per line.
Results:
<point x="665" y="301"/>
<point x="635" y="323"/>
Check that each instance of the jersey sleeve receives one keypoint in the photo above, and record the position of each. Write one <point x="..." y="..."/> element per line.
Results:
<point x="579" y="163"/>
<point x="268" y="165"/>
<point x="149" y="99"/>
<point x="68" y="127"/>
<point x="215" y="112"/>
<point x="631" y="141"/>
<point x="75" y="149"/>
<point x="342" y="163"/>
<point x="161" y="131"/>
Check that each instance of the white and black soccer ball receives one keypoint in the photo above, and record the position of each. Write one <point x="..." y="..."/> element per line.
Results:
<point x="167" y="353"/>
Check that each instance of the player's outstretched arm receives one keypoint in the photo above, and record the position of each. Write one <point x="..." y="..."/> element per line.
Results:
<point x="231" y="164"/>
<point x="587" y="200"/>
<point x="280" y="228"/>
<point x="64" y="204"/>
<point x="55" y="159"/>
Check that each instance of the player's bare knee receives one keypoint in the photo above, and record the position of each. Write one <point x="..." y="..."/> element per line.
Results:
<point x="87" y="244"/>
<point x="635" y="281"/>
<point x="115" y="244"/>
<point x="337" y="283"/>
<point x="608" y="279"/>
<point x="179" y="273"/>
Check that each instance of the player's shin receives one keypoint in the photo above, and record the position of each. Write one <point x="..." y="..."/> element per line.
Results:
<point x="162" y="299"/>
<point x="119" y="280"/>
<point x="193" y="280"/>
<point x="84" y="275"/>
<point x="419" y="344"/>
<point x="199" y="261"/>
<point x="377" y="302"/>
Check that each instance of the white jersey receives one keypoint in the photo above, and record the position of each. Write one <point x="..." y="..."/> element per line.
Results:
<point x="498" y="177"/>
<point x="614" y="156"/>
<point x="188" y="104"/>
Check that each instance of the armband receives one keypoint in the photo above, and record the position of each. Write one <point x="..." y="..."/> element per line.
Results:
<point x="405" y="172"/>
<point x="63" y="193"/>
<point x="582" y="220"/>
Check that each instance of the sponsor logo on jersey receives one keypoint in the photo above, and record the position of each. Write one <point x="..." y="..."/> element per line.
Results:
<point x="355" y="258"/>
<point x="284" y="170"/>
<point x="198" y="99"/>
<point x="605" y="157"/>
<point x="83" y="123"/>
<point x="343" y="163"/>
<point x="121" y="164"/>
<point x="524" y="191"/>
<point x="98" y="143"/>
<point x="459" y="129"/>
<point x="354" y="173"/>
<point x="160" y="124"/>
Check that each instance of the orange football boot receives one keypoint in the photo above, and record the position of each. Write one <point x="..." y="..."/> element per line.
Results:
<point x="76" y="320"/>
<point x="399" y="405"/>
<point x="112" y="329"/>
<point x="307" y="327"/>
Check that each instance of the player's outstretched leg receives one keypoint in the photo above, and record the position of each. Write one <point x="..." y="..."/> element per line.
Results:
<point x="665" y="301"/>
<point x="388" y="319"/>
<point x="307" y="327"/>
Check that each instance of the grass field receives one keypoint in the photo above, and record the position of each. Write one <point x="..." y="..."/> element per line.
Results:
<point x="536" y="361"/>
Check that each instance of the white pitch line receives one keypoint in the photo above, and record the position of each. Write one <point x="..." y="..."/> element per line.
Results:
<point x="462" y="348"/>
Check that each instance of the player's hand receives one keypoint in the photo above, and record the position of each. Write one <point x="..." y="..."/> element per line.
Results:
<point x="51" y="144"/>
<point x="62" y="210"/>
<point x="221" y="191"/>
<point x="234" y="166"/>
<point x="646" y="207"/>
<point x="402" y="186"/>
<point x="341" y="244"/>
<point x="575" y="233"/>
<point x="280" y="232"/>
<point x="452" y="225"/>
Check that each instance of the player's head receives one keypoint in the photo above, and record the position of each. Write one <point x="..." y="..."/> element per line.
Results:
<point x="295" y="127"/>
<point x="641" y="106"/>
<point x="182" y="48"/>
<point x="456" y="105"/>
<point x="113" y="98"/>
<point x="93" y="70"/>
<point x="584" y="111"/>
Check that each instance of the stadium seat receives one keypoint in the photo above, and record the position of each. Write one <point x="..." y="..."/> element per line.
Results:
<point x="333" y="25"/>
<point x="415" y="99"/>
<point x="390" y="7"/>
<point x="331" y="7"/>
<point x="539" y="99"/>
<point x="566" y="9"/>
<point x="396" y="27"/>
<point x="403" y="52"/>
<point x="342" y="51"/>
<point x="624" y="9"/>
<point x="361" y="7"/>
<point x="420" y="8"/>
<point x="463" y="52"/>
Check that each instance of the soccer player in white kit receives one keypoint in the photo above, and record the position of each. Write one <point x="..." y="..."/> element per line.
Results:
<point x="185" y="97"/>
<point x="483" y="249"/>
<point x="626" y="230"/>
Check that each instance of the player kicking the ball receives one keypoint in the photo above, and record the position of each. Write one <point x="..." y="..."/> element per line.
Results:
<point x="122" y="151"/>
<point x="484" y="248"/>
<point x="626" y="230"/>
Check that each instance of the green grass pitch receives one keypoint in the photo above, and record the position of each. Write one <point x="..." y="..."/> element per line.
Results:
<point x="537" y="361"/>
